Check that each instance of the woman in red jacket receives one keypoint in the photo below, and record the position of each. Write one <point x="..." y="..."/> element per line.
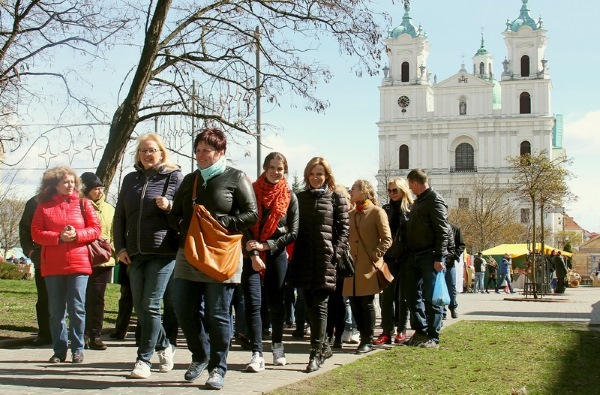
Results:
<point x="63" y="225"/>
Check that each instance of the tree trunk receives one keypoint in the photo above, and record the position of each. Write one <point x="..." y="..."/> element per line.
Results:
<point x="126" y="115"/>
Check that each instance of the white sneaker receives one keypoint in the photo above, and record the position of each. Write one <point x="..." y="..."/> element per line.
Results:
<point x="346" y="336"/>
<point x="355" y="338"/>
<point x="140" y="371"/>
<point x="257" y="363"/>
<point x="165" y="358"/>
<point x="279" y="355"/>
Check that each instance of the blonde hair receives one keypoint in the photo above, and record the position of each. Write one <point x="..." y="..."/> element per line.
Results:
<point x="342" y="190"/>
<point x="407" y="199"/>
<point x="317" y="160"/>
<point x="166" y="157"/>
<point x="50" y="180"/>
<point x="367" y="189"/>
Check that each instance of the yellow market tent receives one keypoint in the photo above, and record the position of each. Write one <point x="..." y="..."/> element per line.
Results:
<point x="515" y="250"/>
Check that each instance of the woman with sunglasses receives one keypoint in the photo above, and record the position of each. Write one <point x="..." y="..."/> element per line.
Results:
<point x="394" y="310"/>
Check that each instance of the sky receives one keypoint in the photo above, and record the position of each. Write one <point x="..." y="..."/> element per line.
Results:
<point x="347" y="135"/>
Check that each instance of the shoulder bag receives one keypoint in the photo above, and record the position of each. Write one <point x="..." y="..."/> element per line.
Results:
<point x="209" y="247"/>
<point x="384" y="276"/>
<point x="99" y="250"/>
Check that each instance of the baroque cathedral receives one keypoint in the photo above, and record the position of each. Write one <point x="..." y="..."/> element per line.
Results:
<point x="465" y="126"/>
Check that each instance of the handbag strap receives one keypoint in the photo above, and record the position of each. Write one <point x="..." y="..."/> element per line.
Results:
<point x="166" y="187"/>
<point x="194" y="189"/>
<point x="82" y="207"/>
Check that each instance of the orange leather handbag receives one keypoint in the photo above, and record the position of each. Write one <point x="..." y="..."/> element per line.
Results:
<point x="209" y="247"/>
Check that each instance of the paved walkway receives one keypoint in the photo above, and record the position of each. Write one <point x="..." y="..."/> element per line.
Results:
<point x="24" y="370"/>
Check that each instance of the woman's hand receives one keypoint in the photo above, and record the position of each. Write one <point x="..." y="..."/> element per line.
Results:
<point x="163" y="203"/>
<point x="257" y="264"/>
<point x="68" y="234"/>
<point x="256" y="245"/>
<point x="124" y="257"/>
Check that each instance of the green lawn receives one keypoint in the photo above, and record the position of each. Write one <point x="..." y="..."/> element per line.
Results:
<point x="17" y="309"/>
<point x="475" y="357"/>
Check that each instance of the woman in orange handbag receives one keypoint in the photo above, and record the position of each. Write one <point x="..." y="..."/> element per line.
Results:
<point x="369" y="239"/>
<point x="267" y="264"/>
<point x="202" y="302"/>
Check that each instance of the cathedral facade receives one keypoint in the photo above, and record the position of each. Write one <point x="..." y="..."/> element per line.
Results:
<point x="467" y="125"/>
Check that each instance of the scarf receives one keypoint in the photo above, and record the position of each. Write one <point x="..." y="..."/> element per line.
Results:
<point x="213" y="170"/>
<point x="363" y="205"/>
<point x="274" y="198"/>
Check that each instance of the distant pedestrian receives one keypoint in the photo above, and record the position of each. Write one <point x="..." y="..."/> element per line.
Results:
<point x="455" y="251"/>
<point x="479" y="264"/>
<point x="561" y="272"/>
<point x="492" y="270"/>
<point x="504" y="274"/>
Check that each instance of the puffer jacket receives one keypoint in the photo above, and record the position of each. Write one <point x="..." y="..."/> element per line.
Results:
<point x="322" y="233"/>
<point x="139" y="226"/>
<point x="105" y="213"/>
<point x="428" y="229"/>
<point x="50" y="218"/>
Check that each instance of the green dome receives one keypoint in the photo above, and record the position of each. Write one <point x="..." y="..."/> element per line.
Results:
<point x="523" y="20"/>
<point x="406" y="27"/>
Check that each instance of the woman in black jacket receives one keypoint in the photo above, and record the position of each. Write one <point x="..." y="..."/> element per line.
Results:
<point x="227" y="194"/>
<point x="267" y="263"/>
<point x="322" y="232"/>
<point x="145" y="241"/>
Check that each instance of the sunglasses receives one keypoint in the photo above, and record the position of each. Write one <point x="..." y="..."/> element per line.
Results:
<point x="393" y="191"/>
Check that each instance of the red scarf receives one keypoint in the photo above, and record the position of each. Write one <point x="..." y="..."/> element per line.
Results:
<point x="273" y="197"/>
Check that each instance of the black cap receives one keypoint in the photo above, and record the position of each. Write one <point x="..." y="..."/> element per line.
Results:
<point x="90" y="181"/>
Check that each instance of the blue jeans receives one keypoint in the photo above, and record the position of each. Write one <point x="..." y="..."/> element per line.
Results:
<point x="273" y="285"/>
<point x="501" y="278"/>
<point x="148" y="276"/>
<point x="204" y="314"/>
<point x="450" y="278"/>
<point x="479" y="278"/>
<point x="350" y="322"/>
<point x="428" y="317"/>
<point x="66" y="294"/>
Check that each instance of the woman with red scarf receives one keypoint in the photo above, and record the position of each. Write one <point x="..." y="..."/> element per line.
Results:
<point x="277" y="227"/>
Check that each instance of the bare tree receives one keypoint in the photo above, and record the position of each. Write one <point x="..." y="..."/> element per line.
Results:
<point x="11" y="209"/>
<point x="212" y="45"/>
<point x="543" y="181"/>
<point x="489" y="219"/>
<point x="33" y="36"/>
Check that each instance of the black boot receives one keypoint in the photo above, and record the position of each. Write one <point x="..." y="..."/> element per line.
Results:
<point x="315" y="360"/>
<point x="326" y="352"/>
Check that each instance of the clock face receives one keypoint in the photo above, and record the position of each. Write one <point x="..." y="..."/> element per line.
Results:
<point x="403" y="101"/>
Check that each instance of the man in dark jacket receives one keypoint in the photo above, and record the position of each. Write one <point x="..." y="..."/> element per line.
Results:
<point x="428" y="235"/>
<point x="33" y="251"/>
<point x="456" y="246"/>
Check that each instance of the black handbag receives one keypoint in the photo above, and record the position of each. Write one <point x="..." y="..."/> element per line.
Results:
<point x="345" y="264"/>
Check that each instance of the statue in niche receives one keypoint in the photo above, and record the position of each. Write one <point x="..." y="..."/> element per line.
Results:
<point x="462" y="107"/>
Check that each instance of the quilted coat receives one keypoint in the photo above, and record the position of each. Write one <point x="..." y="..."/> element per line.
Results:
<point x="50" y="218"/>
<point x="322" y="233"/>
<point x="140" y="226"/>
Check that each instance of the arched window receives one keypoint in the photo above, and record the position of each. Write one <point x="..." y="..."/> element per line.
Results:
<point x="464" y="157"/>
<point x="525" y="148"/>
<point x="403" y="156"/>
<point x="404" y="72"/>
<point x="524" y="103"/>
<point x="525" y="66"/>
<point x="481" y="68"/>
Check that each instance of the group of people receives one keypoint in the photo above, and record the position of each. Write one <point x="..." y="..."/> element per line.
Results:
<point x="289" y="240"/>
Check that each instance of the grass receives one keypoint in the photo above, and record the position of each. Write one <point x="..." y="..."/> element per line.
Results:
<point x="475" y="357"/>
<point x="17" y="308"/>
